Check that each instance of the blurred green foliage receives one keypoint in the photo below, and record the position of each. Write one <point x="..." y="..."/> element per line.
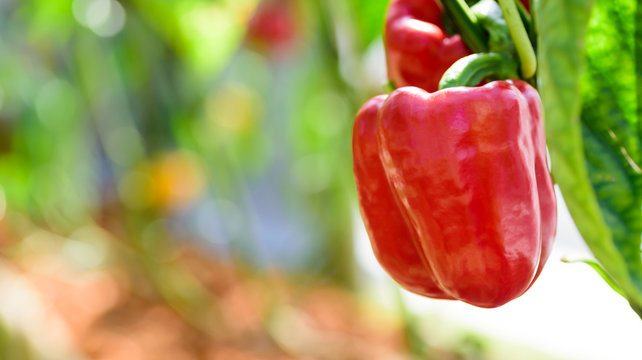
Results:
<point x="13" y="346"/>
<point x="124" y="113"/>
<point x="161" y="122"/>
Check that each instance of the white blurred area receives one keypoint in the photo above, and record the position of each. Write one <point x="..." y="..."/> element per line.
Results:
<point x="569" y="313"/>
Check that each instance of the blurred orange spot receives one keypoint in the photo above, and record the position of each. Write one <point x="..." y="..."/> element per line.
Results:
<point x="177" y="180"/>
<point x="242" y="308"/>
<point x="161" y="326"/>
<point x="230" y="354"/>
<point x="114" y="346"/>
<point x="82" y="300"/>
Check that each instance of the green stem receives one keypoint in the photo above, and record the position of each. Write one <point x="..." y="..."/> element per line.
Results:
<point x="473" y="69"/>
<point x="466" y="23"/>
<point x="520" y="38"/>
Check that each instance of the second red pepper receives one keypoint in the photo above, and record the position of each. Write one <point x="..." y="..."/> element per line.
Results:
<point x="418" y="51"/>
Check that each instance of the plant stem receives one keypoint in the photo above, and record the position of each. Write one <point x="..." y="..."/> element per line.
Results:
<point x="466" y="24"/>
<point x="520" y="38"/>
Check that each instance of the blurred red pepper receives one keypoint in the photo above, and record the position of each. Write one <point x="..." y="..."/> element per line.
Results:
<point x="418" y="51"/>
<point x="273" y="27"/>
<point x="454" y="189"/>
<point x="527" y="4"/>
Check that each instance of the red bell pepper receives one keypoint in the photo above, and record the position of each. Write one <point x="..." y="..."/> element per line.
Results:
<point x="454" y="189"/>
<point x="395" y="244"/>
<point x="272" y="28"/>
<point x="418" y="51"/>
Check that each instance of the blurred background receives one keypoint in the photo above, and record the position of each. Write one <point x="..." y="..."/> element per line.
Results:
<point x="176" y="183"/>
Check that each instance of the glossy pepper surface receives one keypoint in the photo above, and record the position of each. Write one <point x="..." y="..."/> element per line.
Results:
<point x="454" y="189"/>
<point x="418" y="51"/>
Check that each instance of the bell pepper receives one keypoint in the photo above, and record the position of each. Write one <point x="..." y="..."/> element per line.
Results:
<point x="272" y="28"/>
<point x="418" y="51"/>
<point x="454" y="189"/>
<point x="395" y="244"/>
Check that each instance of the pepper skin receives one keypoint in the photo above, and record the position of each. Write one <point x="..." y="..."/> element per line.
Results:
<point x="395" y="244"/>
<point x="467" y="188"/>
<point x="418" y="52"/>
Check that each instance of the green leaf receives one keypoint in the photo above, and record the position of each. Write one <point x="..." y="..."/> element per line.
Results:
<point x="561" y="27"/>
<point x="600" y="271"/>
<point x="610" y="121"/>
<point x="591" y="112"/>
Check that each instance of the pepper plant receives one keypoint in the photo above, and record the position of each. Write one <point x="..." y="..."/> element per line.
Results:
<point x="445" y="226"/>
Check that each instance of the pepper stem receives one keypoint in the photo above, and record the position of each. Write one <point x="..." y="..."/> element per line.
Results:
<point x="467" y="25"/>
<point x="473" y="69"/>
<point x="520" y="37"/>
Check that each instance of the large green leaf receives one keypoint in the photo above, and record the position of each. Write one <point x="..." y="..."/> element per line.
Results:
<point x="610" y="124"/>
<point x="587" y="83"/>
